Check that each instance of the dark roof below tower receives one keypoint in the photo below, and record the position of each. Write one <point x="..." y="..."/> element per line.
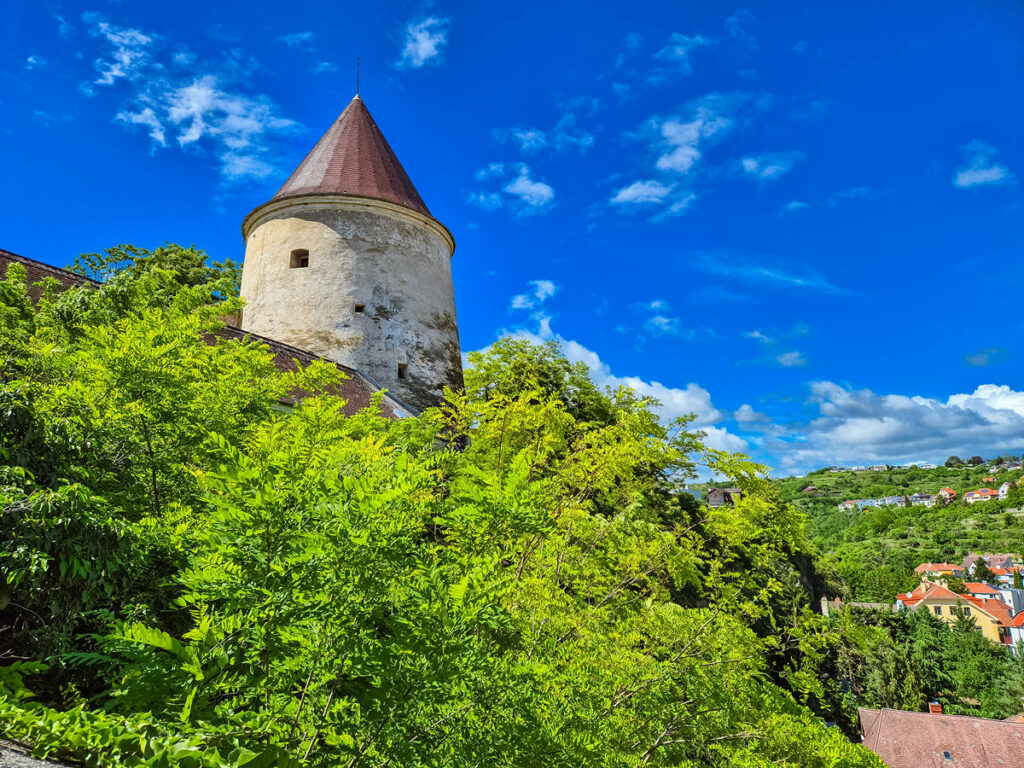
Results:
<point x="356" y="389"/>
<point x="922" y="739"/>
<point x="354" y="158"/>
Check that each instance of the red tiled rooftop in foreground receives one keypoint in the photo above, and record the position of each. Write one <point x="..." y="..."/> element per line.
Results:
<point x="919" y="739"/>
<point x="354" y="158"/>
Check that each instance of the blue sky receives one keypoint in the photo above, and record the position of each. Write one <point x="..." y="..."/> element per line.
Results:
<point x="800" y="221"/>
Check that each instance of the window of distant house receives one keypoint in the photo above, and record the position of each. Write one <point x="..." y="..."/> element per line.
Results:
<point x="300" y="258"/>
<point x="967" y="611"/>
<point x="938" y="610"/>
<point x="360" y="308"/>
<point x="946" y="755"/>
<point x="402" y="368"/>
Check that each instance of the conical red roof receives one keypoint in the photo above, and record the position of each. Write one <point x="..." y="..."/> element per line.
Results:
<point x="354" y="158"/>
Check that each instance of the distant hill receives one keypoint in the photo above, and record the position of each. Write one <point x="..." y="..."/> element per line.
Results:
<point x="875" y="550"/>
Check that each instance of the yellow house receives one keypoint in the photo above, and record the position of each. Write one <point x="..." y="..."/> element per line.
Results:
<point x="992" y="616"/>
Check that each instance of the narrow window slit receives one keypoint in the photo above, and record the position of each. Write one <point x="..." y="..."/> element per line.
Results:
<point x="360" y="308"/>
<point x="402" y="367"/>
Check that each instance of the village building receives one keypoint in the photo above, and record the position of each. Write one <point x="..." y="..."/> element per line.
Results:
<point x="947" y="494"/>
<point x="991" y="615"/>
<point x="1002" y="560"/>
<point x="932" y="739"/>
<point x="939" y="570"/>
<point x="720" y="497"/>
<point x="982" y="494"/>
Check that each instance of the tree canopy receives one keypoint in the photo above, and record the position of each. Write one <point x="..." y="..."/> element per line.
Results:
<point x="197" y="575"/>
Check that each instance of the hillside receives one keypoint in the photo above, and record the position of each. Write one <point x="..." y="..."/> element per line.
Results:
<point x="876" y="549"/>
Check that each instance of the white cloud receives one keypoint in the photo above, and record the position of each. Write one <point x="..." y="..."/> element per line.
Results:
<point x="857" y="426"/>
<point x="563" y="137"/>
<point x="641" y="192"/>
<point x="535" y="196"/>
<point x="542" y="291"/>
<point x="982" y="167"/>
<point x="793" y="206"/>
<point x="298" y="39"/>
<point x="792" y="359"/>
<point x="769" y="167"/>
<point x="201" y="106"/>
<point x="746" y="414"/>
<point x="677" y="144"/>
<point x="324" y="68"/>
<point x="425" y="40"/>
<point x="761" y="271"/>
<point x="758" y="336"/>
<point x="984" y="357"/>
<point x="146" y="117"/>
<point x="490" y="171"/>
<point x="35" y="62"/>
<point x="524" y="195"/>
<point x="489" y="201"/>
<point x="678" y="52"/>
<point x="740" y="27"/>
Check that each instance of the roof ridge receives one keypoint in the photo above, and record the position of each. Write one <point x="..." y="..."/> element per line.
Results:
<point x="44" y="266"/>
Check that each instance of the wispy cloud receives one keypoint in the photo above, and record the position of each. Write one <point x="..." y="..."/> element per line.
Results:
<point x="519" y="191"/>
<point x="566" y="135"/>
<point x="298" y="39"/>
<point x="424" y="41"/>
<point x="981" y="168"/>
<point x="771" y="166"/>
<point x="535" y="196"/>
<point x="792" y="359"/>
<point x="985" y="357"/>
<point x="641" y="192"/>
<point x="542" y="291"/>
<point x="760" y="271"/>
<point x="202" y="107"/>
<point x="35" y="62"/>
<point x="676" y="144"/>
<point x="739" y="26"/>
<point x="677" y="54"/>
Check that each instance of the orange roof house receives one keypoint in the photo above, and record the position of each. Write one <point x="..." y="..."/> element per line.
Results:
<point x="939" y="569"/>
<point x="992" y="616"/>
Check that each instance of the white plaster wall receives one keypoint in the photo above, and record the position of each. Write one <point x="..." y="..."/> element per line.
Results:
<point x="396" y="264"/>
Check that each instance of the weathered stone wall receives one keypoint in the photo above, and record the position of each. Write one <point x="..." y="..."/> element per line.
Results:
<point x="393" y="262"/>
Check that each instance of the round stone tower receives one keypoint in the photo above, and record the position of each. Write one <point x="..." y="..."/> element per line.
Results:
<point x="346" y="261"/>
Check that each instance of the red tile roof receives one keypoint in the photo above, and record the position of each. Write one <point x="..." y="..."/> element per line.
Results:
<point x="926" y="567"/>
<point x="918" y="739"/>
<point x="354" y="158"/>
<point x="980" y="588"/>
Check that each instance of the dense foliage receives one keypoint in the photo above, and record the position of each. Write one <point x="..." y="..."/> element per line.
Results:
<point x="905" y="660"/>
<point x="194" y="575"/>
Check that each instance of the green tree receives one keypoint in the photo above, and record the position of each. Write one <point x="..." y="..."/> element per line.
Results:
<point x="512" y="579"/>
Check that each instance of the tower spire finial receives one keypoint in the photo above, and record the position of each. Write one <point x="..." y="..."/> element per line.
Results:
<point x="357" y="75"/>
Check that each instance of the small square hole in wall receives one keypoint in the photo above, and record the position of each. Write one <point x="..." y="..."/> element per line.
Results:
<point x="360" y="308"/>
<point x="300" y="258"/>
<point x="402" y="368"/>
<point x="947" y="756"/>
